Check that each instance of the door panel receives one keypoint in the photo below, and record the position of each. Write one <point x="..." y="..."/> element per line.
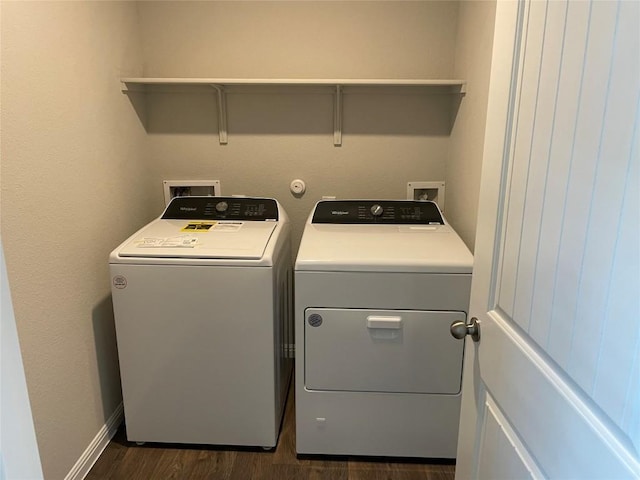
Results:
<point x="575" y="164"/>
<point x="557" y="270"/>
<point x="403" y="351"/>
<point x="585" y="137"/>
<point x="560" y="148"/>
<point x="503" y="455"/>
<point x="527" y="96"/>
<point x="556" y="421"/>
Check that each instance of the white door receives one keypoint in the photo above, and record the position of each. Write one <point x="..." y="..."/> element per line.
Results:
<point x="552" y="389"/>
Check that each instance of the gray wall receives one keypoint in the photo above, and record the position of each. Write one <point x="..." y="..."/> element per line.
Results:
<point x="390" y="136"/>
<point x="473" y="63"/>
<point x="73" y="184"/>
<point x="312" y="39"/>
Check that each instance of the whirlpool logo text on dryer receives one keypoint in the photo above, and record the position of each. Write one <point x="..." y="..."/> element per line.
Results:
<point x="188" y="209"/>
<point x="339" y="212"/>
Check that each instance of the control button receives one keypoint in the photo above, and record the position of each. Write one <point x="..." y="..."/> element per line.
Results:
<point x="222" y="206"/>
<point x="315" y="320"/>
<point x="376" y="210"/>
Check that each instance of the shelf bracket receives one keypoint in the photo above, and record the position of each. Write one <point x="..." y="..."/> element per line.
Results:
<point x="222" y="113"/>
<point x="337" y="117"/>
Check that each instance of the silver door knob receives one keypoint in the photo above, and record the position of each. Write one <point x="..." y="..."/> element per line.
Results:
<point x="460" y="329"/>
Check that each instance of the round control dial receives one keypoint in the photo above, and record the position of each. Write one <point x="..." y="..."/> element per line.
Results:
<point x="222" y="207"/>
<point x="376" y="210"/>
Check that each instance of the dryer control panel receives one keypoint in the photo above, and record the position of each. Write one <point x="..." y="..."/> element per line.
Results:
<point x="394" y="212"/>
<point x="221" y="208"/>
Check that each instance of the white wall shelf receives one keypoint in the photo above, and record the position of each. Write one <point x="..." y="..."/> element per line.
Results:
<point x="219" y="84"/>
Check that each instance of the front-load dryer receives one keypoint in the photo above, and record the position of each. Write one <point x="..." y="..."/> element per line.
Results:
<point x="202" y="303"/>
<point x="377" y="286"/>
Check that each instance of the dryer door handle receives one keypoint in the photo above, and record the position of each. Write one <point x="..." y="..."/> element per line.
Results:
<point x="389" y="322"/>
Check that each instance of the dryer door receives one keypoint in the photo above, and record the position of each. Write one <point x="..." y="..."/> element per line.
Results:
<point x="403" y="351"/>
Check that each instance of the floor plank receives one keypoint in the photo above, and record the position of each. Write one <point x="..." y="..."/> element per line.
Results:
<point x="124" y="460"/>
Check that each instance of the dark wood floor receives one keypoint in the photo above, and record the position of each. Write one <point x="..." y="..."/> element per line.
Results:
<point x="125" y="460"/>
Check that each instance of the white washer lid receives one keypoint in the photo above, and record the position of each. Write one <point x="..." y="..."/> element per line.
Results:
<point x="200" y="239"/>
<point x="383" y="248"/>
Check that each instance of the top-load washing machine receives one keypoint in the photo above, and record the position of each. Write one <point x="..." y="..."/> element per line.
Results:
<point x="377" y="286"/>
<point x="203" y="313"/>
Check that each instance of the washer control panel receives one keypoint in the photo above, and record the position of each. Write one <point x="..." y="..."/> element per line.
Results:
<point x="399" y="212"/>
<point x="221" y="208"/>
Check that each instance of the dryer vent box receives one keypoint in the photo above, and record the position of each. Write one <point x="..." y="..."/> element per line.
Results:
<point x="433" y="191"/>
<point x="190" y="188"/>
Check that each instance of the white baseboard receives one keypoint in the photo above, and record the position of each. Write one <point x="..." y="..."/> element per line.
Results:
<point x="97" y="446"/>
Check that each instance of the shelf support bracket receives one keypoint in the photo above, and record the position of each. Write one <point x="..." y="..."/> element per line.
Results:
<point x="222" y="113"/>
<point x="337" y="117"/>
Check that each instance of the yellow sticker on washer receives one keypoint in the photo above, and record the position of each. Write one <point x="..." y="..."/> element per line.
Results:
<point x="198" y="226"/>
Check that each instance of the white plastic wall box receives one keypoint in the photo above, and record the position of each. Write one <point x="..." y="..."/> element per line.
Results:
<point x="188" y="188"/>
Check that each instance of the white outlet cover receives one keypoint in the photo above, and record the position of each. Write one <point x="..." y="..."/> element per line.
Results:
<point x="433" y="191"/>
<point x="171" y="185"/>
